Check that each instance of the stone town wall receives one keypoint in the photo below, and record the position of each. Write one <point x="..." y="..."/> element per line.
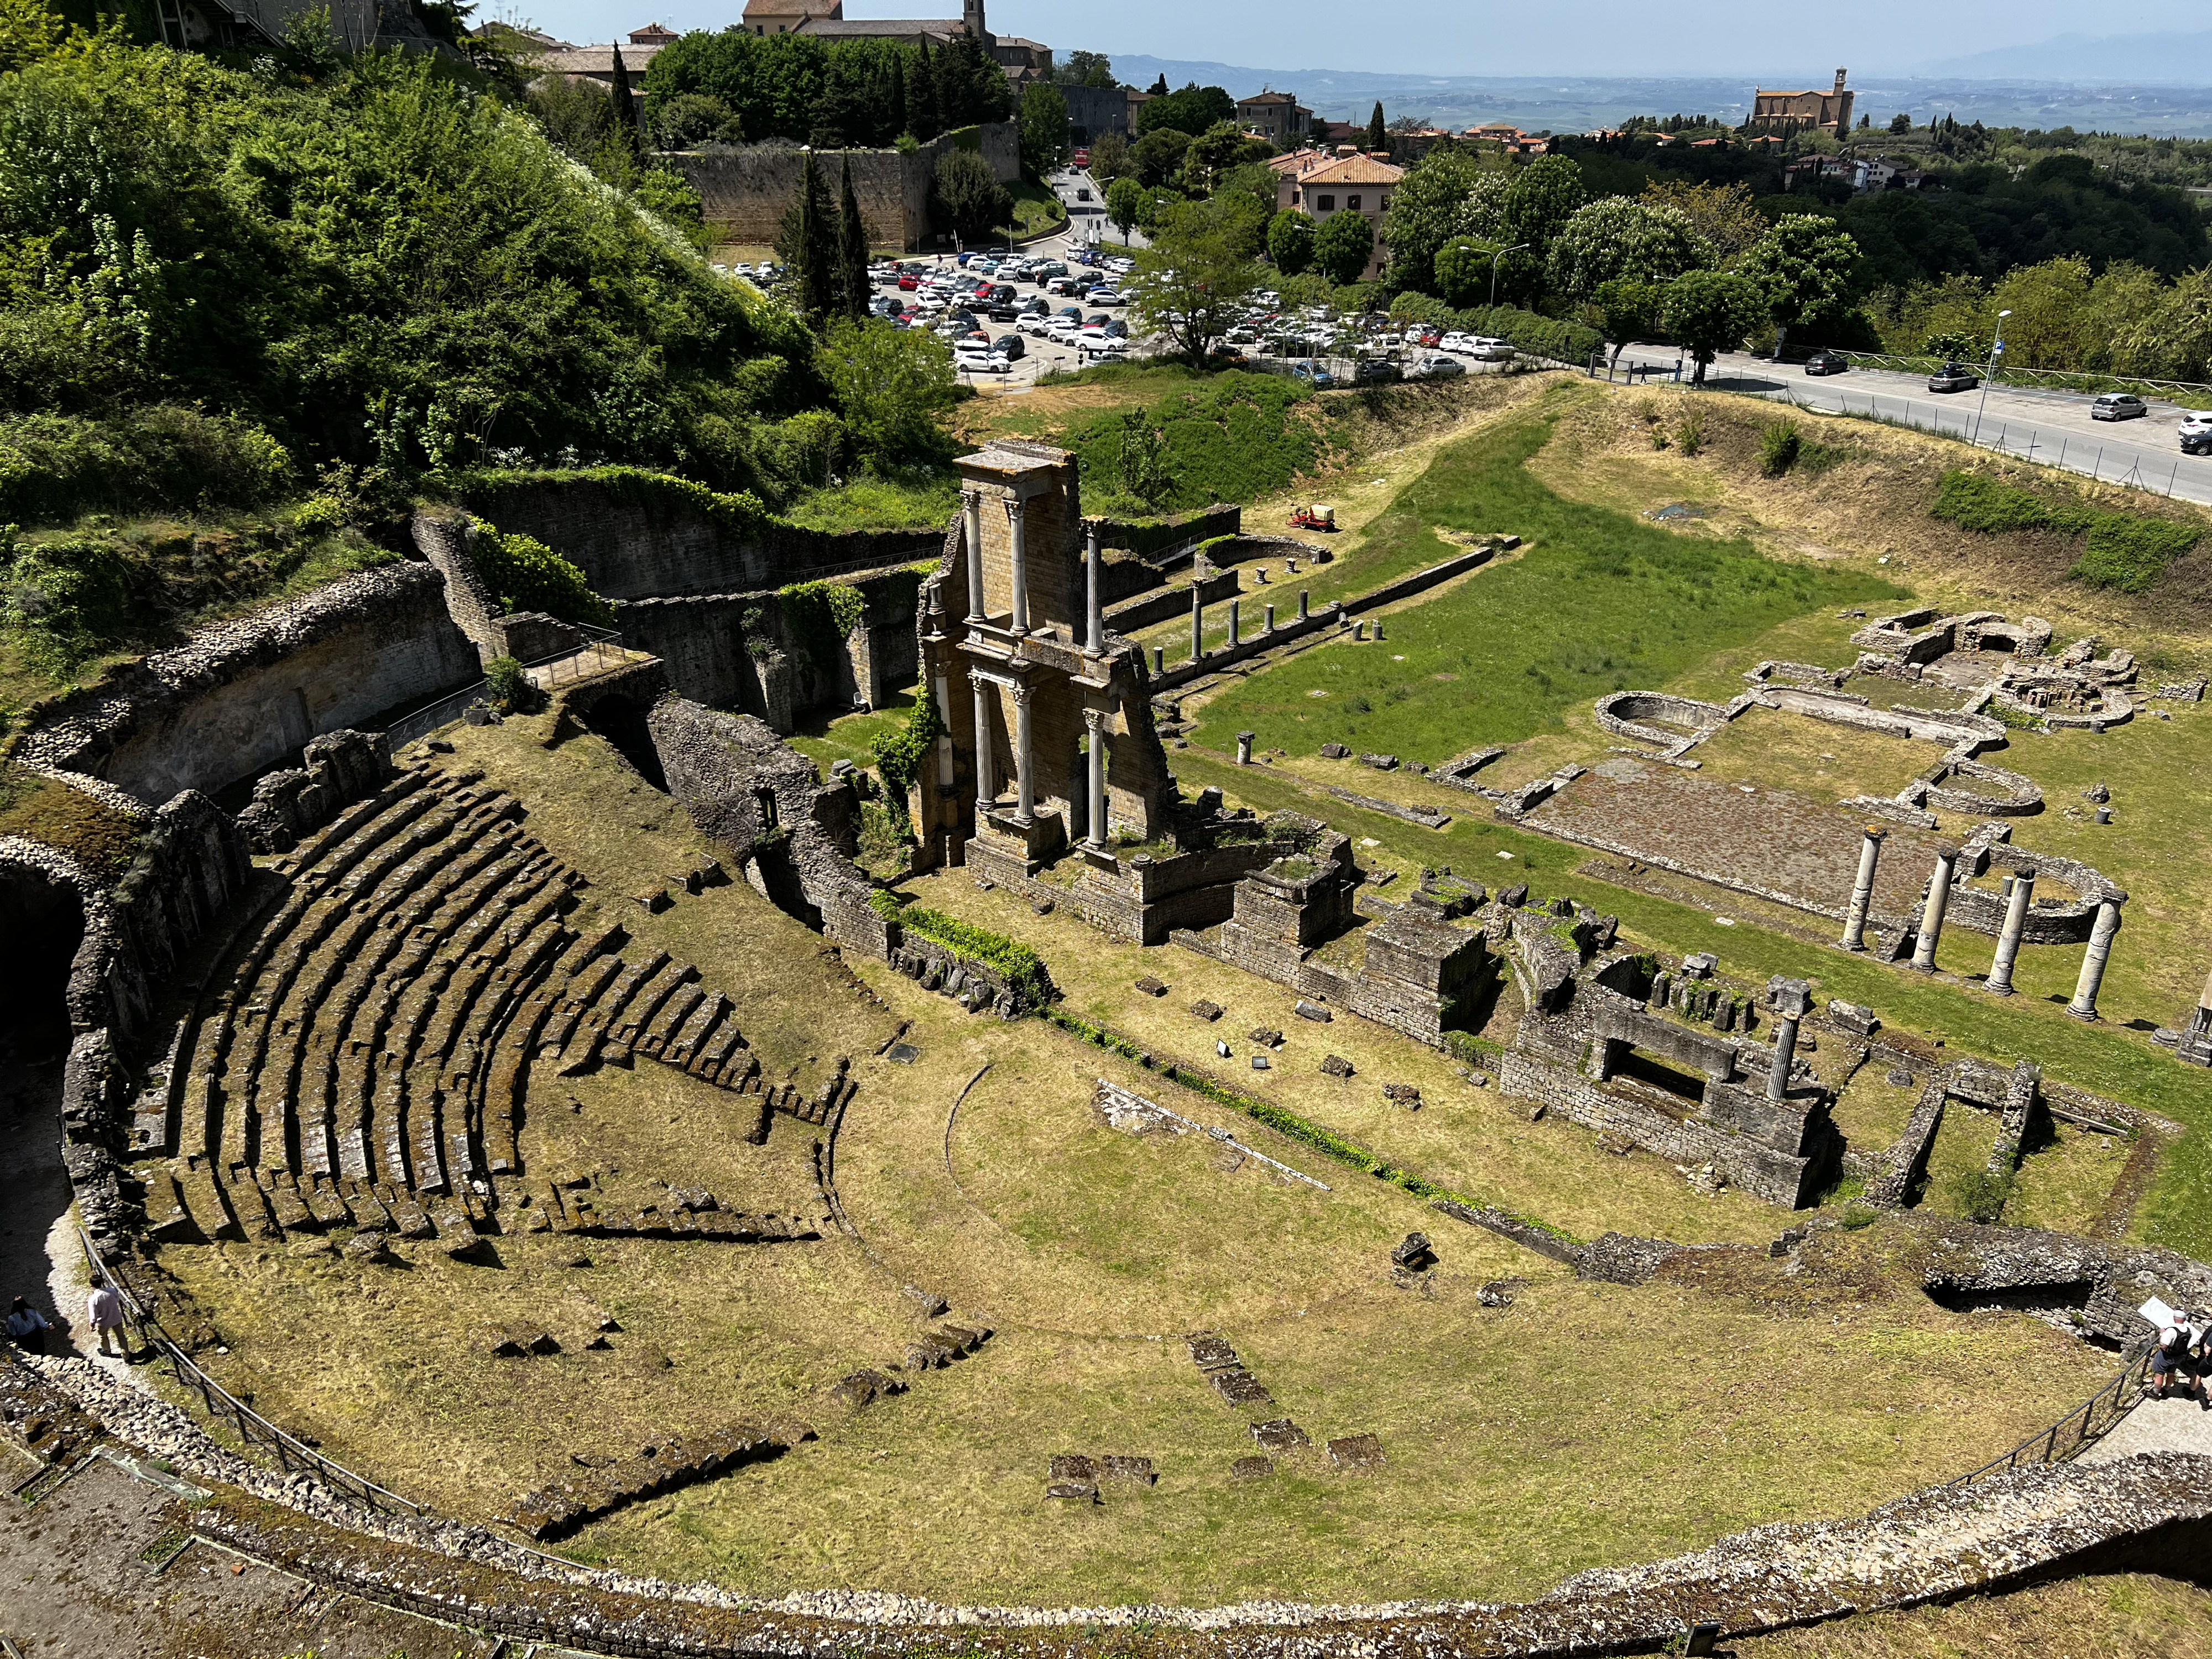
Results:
<point x="634" y="543"/>
<point x="241" y="697"/>
<point x="745" y="190"/>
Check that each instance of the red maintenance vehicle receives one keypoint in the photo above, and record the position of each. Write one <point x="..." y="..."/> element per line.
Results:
<point x="1316" y="517"/>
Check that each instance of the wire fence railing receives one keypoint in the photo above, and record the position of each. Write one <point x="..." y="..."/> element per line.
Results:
<point x="292" y="1454"/>
<point x="602" y="649"/>
<point x="2073" y="1433"/>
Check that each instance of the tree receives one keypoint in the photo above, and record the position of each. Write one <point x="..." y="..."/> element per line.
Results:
<point x="1540" y="200"/>
<point x="1043" y="130"/>
<point x="623" y="101"/>
<point x="1255" y="180"/>
<point x="1191" y="284"/>
<point x="1378" y="135"/>
<point x="691" y="118"/>
<point x="853" y="291"/>
<point x="1345" y="245"/>
<point x="1709" y="311"/>
<point x="1125" y="202"/>
<point x="1804" y="266"/>
<point x="1621" y="236"/>
<point x="1726" y="216"/>
<point x="966" y="197"/>
<point x="1220" y="148"/>
<point x="1900" y="124"/>
<point x="1191" y="110"/>
<point x="890" y="384"/>
<point x="1110" y="158"/>
<point x="1464" y="269"/>
<point x="807" y="243"/>
<point x="1085" y="69"/>
<point x="1158" y="156"/>
<point x="1431" y="205"/>
<point x="925" y="114"/>
<point x="1159" y="87"/>
<point x="1290" y="241"/>
<point x="1630" y="309"/>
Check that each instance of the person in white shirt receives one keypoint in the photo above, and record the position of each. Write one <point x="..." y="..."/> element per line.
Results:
<point x="27" y="1327"/>
<point x="106" y="1307"/>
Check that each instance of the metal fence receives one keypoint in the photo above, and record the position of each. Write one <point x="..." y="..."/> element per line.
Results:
<point x="253" y="1429"/>
<point x="602" y="649"/>
<point x="2088" y="1422"/>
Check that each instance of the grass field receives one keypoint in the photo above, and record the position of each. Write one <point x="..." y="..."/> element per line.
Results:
<point x="1599" y="603"/>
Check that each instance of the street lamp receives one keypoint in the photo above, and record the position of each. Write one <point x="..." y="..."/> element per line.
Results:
<point x="1996" y="351"/>
<point x="1494" y="259"/>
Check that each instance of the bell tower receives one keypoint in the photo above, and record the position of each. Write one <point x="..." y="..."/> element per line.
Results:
<point x="972" y="15"/>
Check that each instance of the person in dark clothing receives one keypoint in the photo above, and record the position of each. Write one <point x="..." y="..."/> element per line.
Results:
<point x="27" y="1327"/>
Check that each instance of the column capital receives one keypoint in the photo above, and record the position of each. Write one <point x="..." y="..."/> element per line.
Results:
<point x="1095" y="719"/>
<point x="1022" y="695"/>
<point x="1013" y="507"/>
<point x="979" y="679"/>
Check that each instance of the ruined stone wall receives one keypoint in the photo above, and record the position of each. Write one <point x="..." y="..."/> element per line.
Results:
<point x="243" y="696"/>
<point x="746" y="190"/>
<point x="1166" y="603"/>
<point x="634" y="543"/>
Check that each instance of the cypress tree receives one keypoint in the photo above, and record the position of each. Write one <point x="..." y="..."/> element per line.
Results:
<point x="1378" y="135"/>
<point x="623" y="101"/>
<point x="922" y="117"/>
<point x="900" y="119"/>
<point x="852" y="250"/>
<point x="816" y="245"/>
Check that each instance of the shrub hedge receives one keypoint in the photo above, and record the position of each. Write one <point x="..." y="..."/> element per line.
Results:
<point x="525" y="574"/>
<point x="2128" y="551"/>
<point x="1014" y="961"/>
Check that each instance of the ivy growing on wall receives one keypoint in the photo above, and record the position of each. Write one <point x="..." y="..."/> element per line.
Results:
<point x="902" y="755"/>
<point x="1012" y="961"/>
<point x="525" y="574"/>
<point x="821" y="616"/>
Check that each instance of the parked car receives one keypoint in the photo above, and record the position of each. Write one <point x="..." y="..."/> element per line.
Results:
<point x="1118" y="329"/>
<point x="1104" y="351"/>
<point x="1376" y="371"/>
<point x="1064" y="329"/>
<point x="2197" y="432"/>
<point x="1490" y="348"/>
<point x="1953" y="377"/>
<point x="1827" y="362"/>
<point x="908" y="281"/>
<point x="980" y="363"/>
<point x="1011" y="347"/>
<point x="1067" y="286"/>
<point x="1436" y="367"/>
<point x="1104" y="296"/>
<point x="1034" y="322"/>
<point x="1314" y="374"/>
<point x="1456" y="342"/>
<point x="1034" y="305"/>
<point x="2117" y="406"/>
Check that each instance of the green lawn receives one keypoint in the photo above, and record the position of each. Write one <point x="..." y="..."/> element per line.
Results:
<point x="1600" y="601"/>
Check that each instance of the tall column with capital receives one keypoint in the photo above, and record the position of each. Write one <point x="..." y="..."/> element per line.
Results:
<point x="1021" y="563"/>
<point x="985" y="791"/>
<point x="1095" y="631"/>
<point x="974" y="499"/>
<point x="1024" y="766"/>
<point x="1095" y="719"/>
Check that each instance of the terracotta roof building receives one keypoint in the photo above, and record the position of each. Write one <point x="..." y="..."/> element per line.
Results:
<point x="1277" y="116"/>
<point x="785" y="17"/>
<point x="1829" y="111"/>
<point x="1341" y="184"/>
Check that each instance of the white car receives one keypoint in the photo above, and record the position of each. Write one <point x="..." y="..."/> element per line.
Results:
<point x="1492" y="349"/>
<point x="1104" y="296"/>
<point x="1105" y="350"/>
<point x="1036" y="323"/>
<point x="1064" y="329"/>
<point x="2197" y="432"/>
<point x="1456" y="342"/>
<point x="977" y="361"/>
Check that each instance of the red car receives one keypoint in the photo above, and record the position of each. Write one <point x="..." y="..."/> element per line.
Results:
<point x="908" y="281"/>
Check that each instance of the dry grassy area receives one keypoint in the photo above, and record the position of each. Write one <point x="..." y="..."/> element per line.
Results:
<point x="2124" y="1616"/>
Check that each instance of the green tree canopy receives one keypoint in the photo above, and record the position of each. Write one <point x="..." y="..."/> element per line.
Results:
<point x="1191" y="284"/>
<point x="1622" y="236"/>
<point x="692" y="119"/>
<point x="1709" y="311"/>
<point x="1218" y="150"/>
<point x="1158" y="156"/>
<point x="966" y="197"/>
<point x="1431" y="205"/>
<point x="1343" y="247"/>
<point x="1464" y="269"/>
<point x="833" y="93"/>
<point x="1085" y="69"/>
<point x="1540" y="200"/>
<point x="890" y="384"/>
<point x="1043" y="129"/>
<point x="1629" y="309"/>
<point x="1125" y="204"/>
<point x="1378" y="135"/>
<point x="1803" y="267"/>
<point x="1193" y="109"/>
<point x="1290" y="241"/>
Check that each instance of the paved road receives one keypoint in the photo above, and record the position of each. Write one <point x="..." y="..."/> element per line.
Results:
<point x="2031" y="423"/>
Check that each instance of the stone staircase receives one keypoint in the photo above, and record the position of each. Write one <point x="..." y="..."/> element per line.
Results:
<point x="362" y="1052"/>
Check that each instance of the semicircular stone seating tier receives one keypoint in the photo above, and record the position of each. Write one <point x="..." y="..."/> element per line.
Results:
<point x="363" y="1050"/>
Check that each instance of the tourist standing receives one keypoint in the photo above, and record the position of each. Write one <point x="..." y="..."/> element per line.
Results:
<point x="27" y="1327"/>
<point x="106" y="1307"/>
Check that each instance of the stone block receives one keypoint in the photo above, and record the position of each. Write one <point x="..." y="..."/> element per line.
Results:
<point x="1381" y="762"/>
<point x="1240" y="1388"/>
<point x="1137" y="1469"/>
<point x="1314" y="1011"/>
<point x="1074" y="1492"/>
<point x="1266" y="1037"/>
<point x="1281" y="1435"/>
<point x="1402" y="1094"/>
<point x="1334" y="751"/>
<point x="1073" y="1466"/>
<point x="1208" y="1011"/>
<point x="1499" y="1292"/>
<point x="655" y="899"/>
<point x="1152" y="987"/>
<point x="1356" y="1452"/>
<point x="1251" y="1468"/>
<point x="1336" y="1065"/>
<point x="1211" y="1352"/>
<point x="1415" y="1255"/>
<point x="1852" y="1017"/>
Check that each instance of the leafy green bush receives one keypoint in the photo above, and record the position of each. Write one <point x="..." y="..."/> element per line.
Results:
<point x="1974" y="501"/>
<point x="1469" y="1049"/>
<point x="1236" y="438"/>
<point x="2130" y="553"/>
<point x="55" y="467"/>
<point x="1012" y="961"/>
<point x="1531" y="331"/>
<point x="1981" y="1195"/>
<point x="525" y="574"/>
<point x="510" y="685"/>
<point x="822" y="616"/>
<point x="69" y="600"/>
<point x="901" y="756"/>
<point x="1858" y="1215"/>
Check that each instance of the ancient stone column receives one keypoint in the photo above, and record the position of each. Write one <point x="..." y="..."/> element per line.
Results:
<point x="1244" y="747"/>
<point x="1232" y="621"/>
<point x="974" y="499"/>
<point x="1270" y="628"/>
<point x="1095" y="719"/>
<point x="2015" y="921"/>
<point x="1095" y="632"/>
<point x="2084" y="1006"/>
<point x="1793" y="1000"/>
<point x="1021" y="563"/>
<point x="1197" y="624"/>
<point x="1863" y="889"/>
<point x="1024" y="766"/>
<point x="1931" y="912"/>
<point x="985" y="794"/>
<point x="1159" y="660"/>
<point x="1302" y="605"/>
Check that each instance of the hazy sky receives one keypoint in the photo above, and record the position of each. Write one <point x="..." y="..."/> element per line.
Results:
<point x="1453" y="37"/>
